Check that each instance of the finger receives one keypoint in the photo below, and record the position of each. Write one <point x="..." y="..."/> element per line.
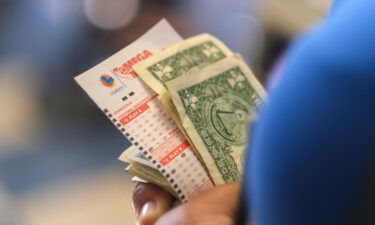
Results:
<point x="150" y="202"/>
<point x="216" y="206"/>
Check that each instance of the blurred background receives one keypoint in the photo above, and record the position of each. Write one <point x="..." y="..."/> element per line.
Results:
<point x="58" y="152"/>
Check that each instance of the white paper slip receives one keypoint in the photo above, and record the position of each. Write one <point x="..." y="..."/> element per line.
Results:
<point x="132" y="153"/>
<point x="132" y="106"/>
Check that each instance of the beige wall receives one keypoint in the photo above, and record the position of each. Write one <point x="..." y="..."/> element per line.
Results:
<point x="99" y="197"/>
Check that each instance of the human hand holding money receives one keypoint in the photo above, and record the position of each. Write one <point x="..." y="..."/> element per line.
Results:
<point x="154" y="207"/>
<point x="185" y="109"/>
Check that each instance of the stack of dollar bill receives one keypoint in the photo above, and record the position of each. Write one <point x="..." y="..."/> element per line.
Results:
<point x="195" y="99"/>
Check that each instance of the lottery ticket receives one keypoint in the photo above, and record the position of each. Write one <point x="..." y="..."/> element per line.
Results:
<point x="133" y="108"/>
<point x="132" y="153"/>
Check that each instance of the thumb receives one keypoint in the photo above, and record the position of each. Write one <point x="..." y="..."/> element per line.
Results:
<point x="150" y="202"/>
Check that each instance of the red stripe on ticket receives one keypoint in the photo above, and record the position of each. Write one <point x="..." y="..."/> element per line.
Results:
<point x="134" y="114"/>
<point x="174" y="153"/>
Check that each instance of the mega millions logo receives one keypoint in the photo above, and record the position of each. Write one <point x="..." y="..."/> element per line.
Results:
<point x="126" y="71"/>
<point x="107" y="80"/>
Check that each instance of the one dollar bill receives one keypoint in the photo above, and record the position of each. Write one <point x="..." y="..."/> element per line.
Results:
<point x="215" y="105"/>
<point x="178" y="60"/>
<point x="175" y="61"/>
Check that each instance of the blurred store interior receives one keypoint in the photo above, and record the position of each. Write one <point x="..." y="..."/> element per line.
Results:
<point x="58" y="152"/>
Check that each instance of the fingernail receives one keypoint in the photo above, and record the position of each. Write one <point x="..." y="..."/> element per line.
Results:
<point x="147" y="209"/>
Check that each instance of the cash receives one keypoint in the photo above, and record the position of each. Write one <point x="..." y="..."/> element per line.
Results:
<point x="185" y="106"/>
<point x="216" y="105"/>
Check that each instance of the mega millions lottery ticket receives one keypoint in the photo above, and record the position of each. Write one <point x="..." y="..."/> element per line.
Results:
<point x="134" y="109"/>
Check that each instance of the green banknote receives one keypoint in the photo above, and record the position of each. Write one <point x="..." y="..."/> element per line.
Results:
<point x="216" y="105"/>
<point x="175" y="61"/>
<point x="178" y="60"/>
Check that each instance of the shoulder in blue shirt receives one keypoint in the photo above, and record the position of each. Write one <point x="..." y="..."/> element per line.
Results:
<point x="312" y="154"/>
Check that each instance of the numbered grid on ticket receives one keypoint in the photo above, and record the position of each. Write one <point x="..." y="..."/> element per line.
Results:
<point x="133" y="108"/>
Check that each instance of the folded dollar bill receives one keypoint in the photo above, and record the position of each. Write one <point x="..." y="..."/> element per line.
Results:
<point x="216" y="105"/>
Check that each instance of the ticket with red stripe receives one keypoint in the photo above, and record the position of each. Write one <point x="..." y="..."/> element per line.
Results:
<point x="134" y="109"/>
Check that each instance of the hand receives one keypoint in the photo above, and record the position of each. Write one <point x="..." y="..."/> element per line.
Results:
<point x="150" y="202"/>
<point x="216" y="206"/>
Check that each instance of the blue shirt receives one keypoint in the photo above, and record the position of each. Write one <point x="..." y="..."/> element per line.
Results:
<point x="312" y="158"/>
